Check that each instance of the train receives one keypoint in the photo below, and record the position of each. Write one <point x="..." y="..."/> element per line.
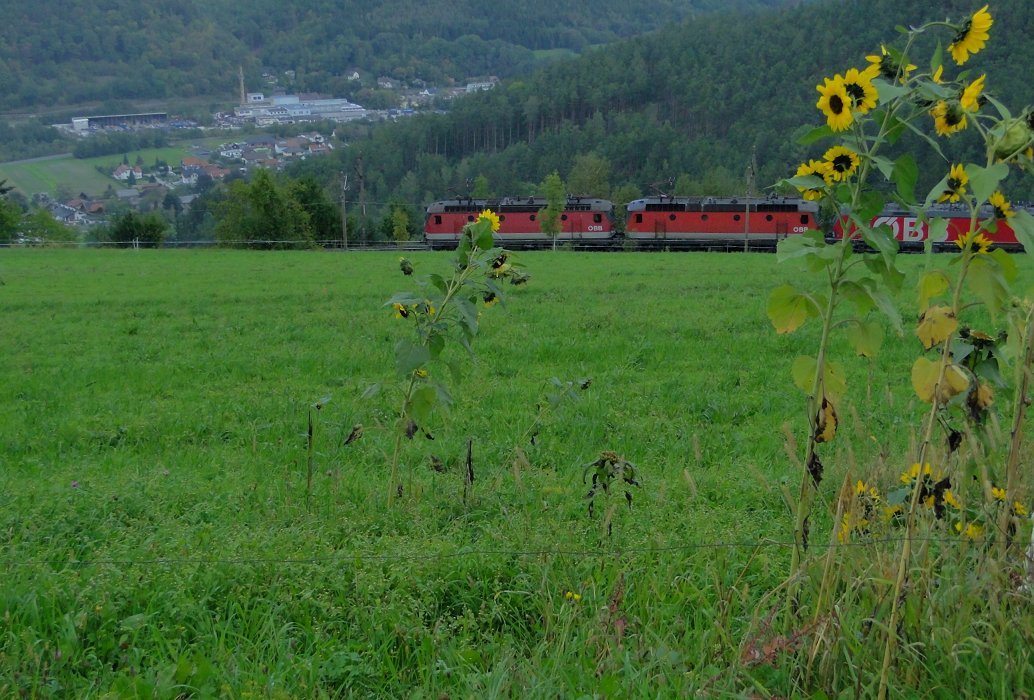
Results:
<point x="677" y="222"/>
<point x="913" y="233"/>
<point x="584" y="219"/>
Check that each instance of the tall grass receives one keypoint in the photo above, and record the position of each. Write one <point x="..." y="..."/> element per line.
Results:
<point x="155" y="539"/>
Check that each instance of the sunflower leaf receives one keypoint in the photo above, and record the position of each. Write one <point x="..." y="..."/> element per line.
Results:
<point x="985" y="181"/>
<point x="1023" y="225"/>
<point x="866" y="337"/>
<point x="789" y="308"/>
<point x="988" y="283"/>
<point x="816" y="134"/>
<point x="904" y="176"/>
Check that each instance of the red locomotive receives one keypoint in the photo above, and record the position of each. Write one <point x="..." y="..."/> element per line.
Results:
<point x="584" y="219"/>
<point x="912" y="232"/>
<point x="725" y="222"/>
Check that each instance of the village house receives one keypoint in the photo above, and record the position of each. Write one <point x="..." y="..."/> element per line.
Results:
<point x="123" y="172"/>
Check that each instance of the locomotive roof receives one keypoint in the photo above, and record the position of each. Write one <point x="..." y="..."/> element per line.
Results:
<point x="517" y="204"/>
<point x="715" y="203"/>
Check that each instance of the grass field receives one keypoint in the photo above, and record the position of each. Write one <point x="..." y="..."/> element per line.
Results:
<point x="80" y="174"/>
<point x="155" y="540"/>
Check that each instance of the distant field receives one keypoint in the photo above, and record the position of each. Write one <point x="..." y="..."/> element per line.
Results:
<point x="154" y="534"/>
<point x="80" y="175"/>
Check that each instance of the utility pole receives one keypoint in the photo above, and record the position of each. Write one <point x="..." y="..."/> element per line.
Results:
<point x="240" y="76"/>
<point x="344" y="214"/>
<point x="751" y="174"/>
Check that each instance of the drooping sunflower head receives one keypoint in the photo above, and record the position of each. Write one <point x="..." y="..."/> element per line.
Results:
<point x="971" y="36"/>
<point x="491" y="217"/>
<point x="813" y="167"/>
<point x="1002" y="207"/>
<point x="835" y="103"/>
<point x="971" y="97"/>
<point x="889" y="65"/>
<point x="843" y="162"/>
<point x="956" y="185"/>
<point x="860" y="89"/>
<point x="948" y="117"/>
<point x="401" y="310"/>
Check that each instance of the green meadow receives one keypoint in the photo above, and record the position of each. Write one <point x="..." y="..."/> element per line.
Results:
<point x="80" y="174"/>
<point x="156" y="539"/>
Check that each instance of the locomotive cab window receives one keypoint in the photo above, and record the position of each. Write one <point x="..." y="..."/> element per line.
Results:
<point x="437" y="219"/>
<point x="639" y="218"/>
<point x="597" y="218"/>
<point x="804" y="219"/>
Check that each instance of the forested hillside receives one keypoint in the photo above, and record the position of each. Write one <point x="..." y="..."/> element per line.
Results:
<point x="56" y="52"/>
<point x="689" y="103"/>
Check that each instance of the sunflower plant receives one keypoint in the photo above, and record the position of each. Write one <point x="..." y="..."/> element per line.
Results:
<point x="868" y="109"/>
<point x="444" y="309"/>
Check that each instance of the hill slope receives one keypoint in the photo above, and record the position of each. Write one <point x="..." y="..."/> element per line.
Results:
<point x="70" y="51"/>
<point x="692" y="100"/>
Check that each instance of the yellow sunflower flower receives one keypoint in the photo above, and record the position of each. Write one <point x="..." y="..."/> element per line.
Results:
<point x="1019" y="509"/>
<point x="951" y="499"/>
<point x="491" y="217"/>
<point x="972" y="36"/>
<point x="835" y="103"/>
<point x="971" y="531"/>
<point x="979" y="243"/>
<point x="843" y="163"/>
<point x="1002" y="207"/>
<point x="813" y="167"/>
<point x="957" y="181"/>
<point x="998" y="493"/>
<point x="889" y="67"/>
<point x="970" y="99"/>
<point x="860" y="89"/>
<point x="401" y="310"/>
<point x="947" y="118"/>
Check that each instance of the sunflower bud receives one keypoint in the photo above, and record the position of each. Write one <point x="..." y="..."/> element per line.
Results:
<point x="1017" y="136"/>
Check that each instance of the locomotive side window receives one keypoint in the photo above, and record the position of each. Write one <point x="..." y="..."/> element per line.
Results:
<point x="703" y="217"/>
<point x="768" y="217"/>
<point x="437" y="219"/>
<point x="470" y="218"/>
<point x="502" y="217"/>
<point x="804" y="219"/>
<point x="736" y="217"/>
<point x="563" y="217"/>
<point x="532" y="217"/>
<point x="639" y="218"/>
<point x="671" y="217"/>
<point x="597" y="218"/>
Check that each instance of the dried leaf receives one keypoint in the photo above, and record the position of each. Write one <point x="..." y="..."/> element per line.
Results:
<point x="936" y="325"/>
<point x="826" y="426"/>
